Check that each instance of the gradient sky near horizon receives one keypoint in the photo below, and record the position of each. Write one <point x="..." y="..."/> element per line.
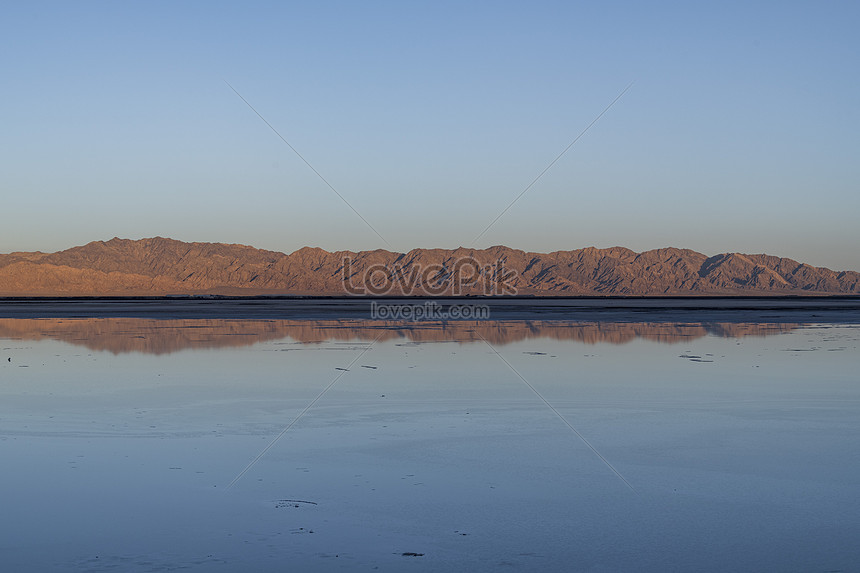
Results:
<point x="740" y="132"/>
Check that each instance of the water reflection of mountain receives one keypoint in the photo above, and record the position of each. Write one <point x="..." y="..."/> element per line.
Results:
<point x="154" y="336"/>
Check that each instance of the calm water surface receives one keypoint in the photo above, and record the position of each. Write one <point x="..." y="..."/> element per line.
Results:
<point x="141" y="445"/>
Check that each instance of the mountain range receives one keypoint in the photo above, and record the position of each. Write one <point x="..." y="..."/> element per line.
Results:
<point x="160" y="266"/>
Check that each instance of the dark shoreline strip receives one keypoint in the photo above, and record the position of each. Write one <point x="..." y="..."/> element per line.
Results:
<point x="835" y="310"/>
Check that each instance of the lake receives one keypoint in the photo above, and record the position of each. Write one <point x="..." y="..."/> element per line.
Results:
<point x="326" y="443"/>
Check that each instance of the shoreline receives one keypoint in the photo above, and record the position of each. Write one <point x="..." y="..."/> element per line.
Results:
<point x="839" y="309"/>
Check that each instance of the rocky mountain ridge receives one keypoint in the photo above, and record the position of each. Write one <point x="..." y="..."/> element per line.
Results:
<point x="160" y="266"/>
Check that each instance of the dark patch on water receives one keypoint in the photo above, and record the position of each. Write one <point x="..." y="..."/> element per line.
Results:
<point x="282" y="503"/>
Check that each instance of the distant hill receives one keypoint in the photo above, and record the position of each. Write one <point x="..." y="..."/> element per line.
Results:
<point x="160" y="266"/>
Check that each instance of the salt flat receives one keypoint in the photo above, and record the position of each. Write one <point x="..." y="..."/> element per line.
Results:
<point x="738" y="447"/>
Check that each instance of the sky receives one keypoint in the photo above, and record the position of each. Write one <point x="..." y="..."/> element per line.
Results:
<point x="739" y="132"/>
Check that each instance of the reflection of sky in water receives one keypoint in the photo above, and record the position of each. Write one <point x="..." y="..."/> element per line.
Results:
<point x="162" y="336"/>
<point x="742" y="452"/>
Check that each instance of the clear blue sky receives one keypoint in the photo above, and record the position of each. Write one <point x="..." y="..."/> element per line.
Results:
<point x="740" y="132"/>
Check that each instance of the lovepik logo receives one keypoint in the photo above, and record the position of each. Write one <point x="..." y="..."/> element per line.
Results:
<point x="455" y="278"/>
